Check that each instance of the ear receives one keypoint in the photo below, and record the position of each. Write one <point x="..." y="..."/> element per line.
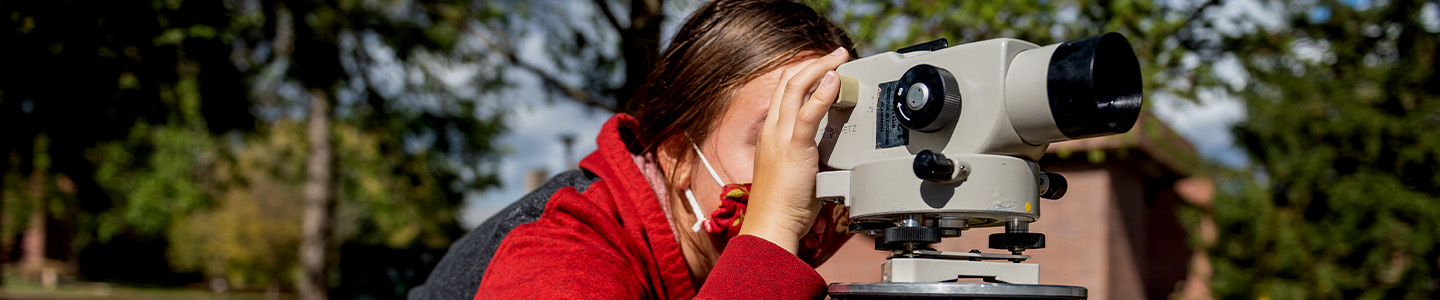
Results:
<point x="675" y="168"/>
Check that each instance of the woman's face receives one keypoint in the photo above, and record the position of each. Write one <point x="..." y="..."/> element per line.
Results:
<point x="730" y="148"/>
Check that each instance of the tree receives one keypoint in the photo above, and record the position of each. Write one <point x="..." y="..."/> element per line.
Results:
<point x="170" y="91"/>
<point x="1339" y="199"/>
<point x="248" y="238"/>
<point x="319" y="201"/>
<point x="585" y="54"/>
<point x="432" y="137"/>
<point x="76" y="79"/>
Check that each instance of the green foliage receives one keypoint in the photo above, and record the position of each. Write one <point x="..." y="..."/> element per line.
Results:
<point x="249" y="236"/>
<point x="168" y="181"/>
<point x="1339" y="202"/>
<point x="177" y="121"/>
<point x="384" y="204"/>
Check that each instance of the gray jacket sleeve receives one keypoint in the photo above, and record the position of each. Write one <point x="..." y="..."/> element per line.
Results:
<point x="458" y="274"/>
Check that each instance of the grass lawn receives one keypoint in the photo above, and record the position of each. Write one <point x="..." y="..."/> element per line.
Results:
<point x="15" y="288"/>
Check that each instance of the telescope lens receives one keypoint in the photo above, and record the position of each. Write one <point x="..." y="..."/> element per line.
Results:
<point x="1094" y="86"/>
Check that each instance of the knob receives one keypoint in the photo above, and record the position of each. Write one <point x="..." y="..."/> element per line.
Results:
<point x="1052" y="186"/>
<point x="933" y="166"/>
<point x="928" y="99"/>
<point x="1017" y="240"/>
<point x="849" y="93"/>
<point x="895" y="238"/>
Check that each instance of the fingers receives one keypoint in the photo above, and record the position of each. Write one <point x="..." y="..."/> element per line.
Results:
<point x="797" y="87"/>
<point x="782" y="204"/>
<point x="777" y="98"/>
<point x="808" y="119"/>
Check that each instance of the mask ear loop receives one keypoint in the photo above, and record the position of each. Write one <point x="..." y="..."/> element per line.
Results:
<point x="707" y="165"/>
<point x="695" y="205"/>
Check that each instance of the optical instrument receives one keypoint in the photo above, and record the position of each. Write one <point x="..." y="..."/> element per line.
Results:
<point x="931" y="140"/>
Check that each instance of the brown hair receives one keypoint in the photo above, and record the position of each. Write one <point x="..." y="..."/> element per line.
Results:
<point x="722" y="46"/>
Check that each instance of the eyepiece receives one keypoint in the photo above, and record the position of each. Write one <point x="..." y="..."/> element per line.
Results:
<point x="1094" y="86"/>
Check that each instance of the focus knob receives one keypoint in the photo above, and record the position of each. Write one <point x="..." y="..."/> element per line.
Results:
<point x="928" y="99"/>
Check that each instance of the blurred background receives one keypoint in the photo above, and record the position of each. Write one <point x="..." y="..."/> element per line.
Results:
<point x="276" y="149"/>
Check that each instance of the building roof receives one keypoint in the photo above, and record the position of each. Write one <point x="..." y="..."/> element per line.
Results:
<point x="1150" y="136"/>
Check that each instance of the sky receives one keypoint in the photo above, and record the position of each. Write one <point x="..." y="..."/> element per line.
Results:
<point x="538" y="125"/>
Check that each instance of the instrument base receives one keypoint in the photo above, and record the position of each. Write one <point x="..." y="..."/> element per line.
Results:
<point x="954" y="290"/>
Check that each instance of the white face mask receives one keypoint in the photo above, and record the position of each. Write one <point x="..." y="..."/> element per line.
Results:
<point x="695" y="205"/>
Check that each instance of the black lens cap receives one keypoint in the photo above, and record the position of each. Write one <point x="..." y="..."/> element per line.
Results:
<point x="1094" y="86"/>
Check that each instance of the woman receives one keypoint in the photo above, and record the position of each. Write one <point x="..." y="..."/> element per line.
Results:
<point x="661" y="210"/>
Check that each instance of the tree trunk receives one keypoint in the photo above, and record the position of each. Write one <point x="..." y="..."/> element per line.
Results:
<point x="319" y="202"/>
<point x="5" y="226"/>
<point x="641" y="46"/>
<point x="32" y="247"/>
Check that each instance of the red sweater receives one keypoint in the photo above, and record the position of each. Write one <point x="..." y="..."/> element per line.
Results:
<point x="614" y="241"/>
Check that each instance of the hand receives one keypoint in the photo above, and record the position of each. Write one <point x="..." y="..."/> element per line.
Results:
<point x="782" y="199"/>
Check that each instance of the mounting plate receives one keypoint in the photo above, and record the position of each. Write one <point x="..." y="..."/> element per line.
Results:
<point x="954" y="290"/>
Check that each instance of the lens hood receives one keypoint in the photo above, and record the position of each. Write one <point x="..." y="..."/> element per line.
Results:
<point x="1094" y="86"/>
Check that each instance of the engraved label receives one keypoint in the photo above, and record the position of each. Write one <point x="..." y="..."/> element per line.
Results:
<point x="888" y="132"/>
